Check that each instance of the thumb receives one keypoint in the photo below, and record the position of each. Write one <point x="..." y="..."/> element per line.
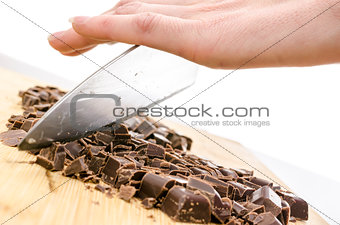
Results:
<point x="174" y="35"/>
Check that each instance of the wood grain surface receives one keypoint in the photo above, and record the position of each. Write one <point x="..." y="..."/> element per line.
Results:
<point x="30" y="195"/>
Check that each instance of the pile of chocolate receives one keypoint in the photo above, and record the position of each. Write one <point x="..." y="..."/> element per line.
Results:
<point x="152" y="162"/>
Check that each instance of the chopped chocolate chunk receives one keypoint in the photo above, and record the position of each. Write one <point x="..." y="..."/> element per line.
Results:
<point x="250" y="217"/>
<point x="240" y="191"/>
<point x="298" y="206"/>
<point x="76" y="166"/>
<point x="239" y="209"/>
<point x="126" y="175"/>
<point x="220" y="209"/>
<point x="42" y="107"/>
<point x="283" y="217"/>
<point x="146" y="128"/>
<point x="155" y="186"/>
<point x="148" y="203"/>
<point x="28" y="124"/>
<point x="133" y="123"/>
<point x="73" y="149"/>
<point x="109" y="172"/>
<point x="253" y="207"/>
<point x="122" y="129"/>
<point x="59" y="158"/>
<point x="161" y="140"/>
<point x="248" y="183"/>
<point x="12" y="137"/>
<point x="268" y="198"/>
<point x="243" y="172"/>
<point x="44" y="162"/>
<point x="197" y="170"/>
<point x="126" y="192"/>
<point x="103" y="138"/>
<point x="96" y="163"/>
<point x="181" y="181"/>
<point x="154" y="150"/>
<point x="266" y="219"/>
<point x="227" y="172"/>
<point x="260" y="181"/>
<point x="183" y="205"/>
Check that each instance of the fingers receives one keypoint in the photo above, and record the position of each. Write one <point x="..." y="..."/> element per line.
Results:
<point x="166" y="33"/>
<point x="77" y="52"/>
<point x="136" y="7"/>
<point x="69" y="41"/>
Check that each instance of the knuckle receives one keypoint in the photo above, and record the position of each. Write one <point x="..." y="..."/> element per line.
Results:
<point x="146" y="22"/>
<point x="130" y="7"/>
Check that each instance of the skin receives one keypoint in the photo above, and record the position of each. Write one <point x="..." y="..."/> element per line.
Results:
<point x="216" y="33"/>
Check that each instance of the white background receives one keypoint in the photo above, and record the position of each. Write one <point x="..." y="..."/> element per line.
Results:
<point x="302" y="143"/>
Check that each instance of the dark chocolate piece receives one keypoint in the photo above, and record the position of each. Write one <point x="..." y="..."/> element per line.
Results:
<point x="109" y="172"/>
<point x="96" y="163"/>
<point x="148" y="203"/>
<point x="250" y="217"/>
<point x="284" y="216"/>
<point x="260" y="181"/>
<point x="154" y="150"/>
<point x="59" y="158"/>
<point x="298" y="206"/>
<point x="126" y="175"/>
<point x="227" y="172"/>
<point x="239" y="209"/>
<point x="146" y="128"/>
<point x="12" y="137"/>
<point x="240" y="191"/>
<point x="121" y="130"/>
<point x="44" y="162"/>
<point x="266" y="219"/>
<point x="76" y="166"/>
<point x="103" y="138"/>
<point x="132" y="123"/>
<point x="253" y="207"/>
<point x="126" y="192"/>
<point x="155" y="186"/>
<point x="28" y="124"/>
<point x="243" y="172"/>
<point x="268" y="198"/>
<point x="161" y="140"/>
<point x="220" y="209"/>
<point x="73" y="149"/>
<point x="183" y="205"/>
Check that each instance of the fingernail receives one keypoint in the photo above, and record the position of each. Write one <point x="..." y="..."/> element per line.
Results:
<point x="78" y="19"/>
<point x="55" y="35"/>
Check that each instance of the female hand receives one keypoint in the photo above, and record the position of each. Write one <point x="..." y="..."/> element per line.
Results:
<point x="216" y="33"/>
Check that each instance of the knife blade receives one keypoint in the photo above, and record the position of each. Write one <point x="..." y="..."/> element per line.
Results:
<point x="139" y="77"/>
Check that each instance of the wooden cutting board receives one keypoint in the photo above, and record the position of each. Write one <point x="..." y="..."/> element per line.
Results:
<point x="30" y="195"/>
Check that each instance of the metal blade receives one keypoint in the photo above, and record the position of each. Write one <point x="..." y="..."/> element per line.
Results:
<point x="150" y="76"/>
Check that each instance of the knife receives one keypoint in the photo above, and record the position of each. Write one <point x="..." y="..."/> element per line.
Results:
<point x="140" y="77"/>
